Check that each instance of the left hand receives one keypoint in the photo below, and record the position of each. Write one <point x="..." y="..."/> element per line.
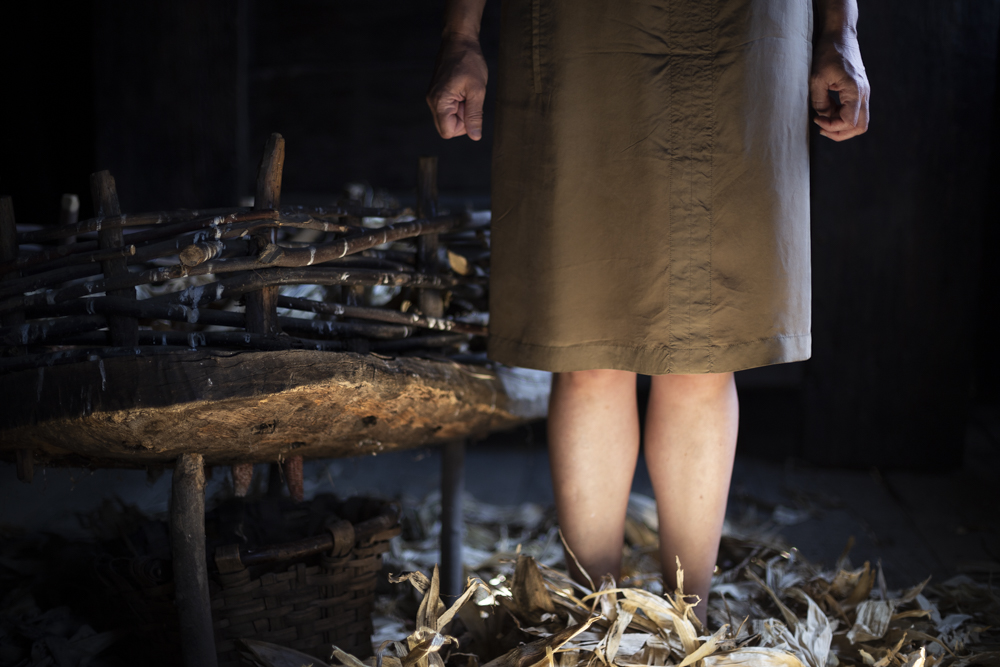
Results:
<point x="837" y="67"/>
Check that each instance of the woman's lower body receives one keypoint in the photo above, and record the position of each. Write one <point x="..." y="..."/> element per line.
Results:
<point x="650" y="215"/>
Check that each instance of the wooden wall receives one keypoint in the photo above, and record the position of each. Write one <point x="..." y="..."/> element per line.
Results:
<point x="898" y="219"/>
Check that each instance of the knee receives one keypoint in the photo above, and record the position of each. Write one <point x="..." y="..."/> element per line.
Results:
<point x="701" y="385"/>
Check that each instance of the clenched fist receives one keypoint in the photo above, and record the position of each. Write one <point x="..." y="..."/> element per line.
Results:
<point x="459" y="88"/>
<point x="837" y="68"/>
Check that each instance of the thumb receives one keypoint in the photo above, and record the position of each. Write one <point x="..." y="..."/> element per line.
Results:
<point x="850" y="109"/>
<point x="474" y="112"/>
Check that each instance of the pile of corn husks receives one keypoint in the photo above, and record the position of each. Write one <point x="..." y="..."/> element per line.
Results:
<point x="768" y="607"/>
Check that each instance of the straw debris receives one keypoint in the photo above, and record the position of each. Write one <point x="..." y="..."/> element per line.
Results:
<point x="772" y="609"/>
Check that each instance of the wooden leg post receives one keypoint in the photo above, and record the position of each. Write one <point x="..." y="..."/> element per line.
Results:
<point x="187" y="541"/>
<point x="294" y="478"/>
<point x="452" y="524"/>
<point x="124" y="329"/>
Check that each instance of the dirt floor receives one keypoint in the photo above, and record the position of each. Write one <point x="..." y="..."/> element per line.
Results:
<point x="914" y="524"/>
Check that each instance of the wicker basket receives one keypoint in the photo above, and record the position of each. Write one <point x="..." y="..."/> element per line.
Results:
<point x="307" y="593"/>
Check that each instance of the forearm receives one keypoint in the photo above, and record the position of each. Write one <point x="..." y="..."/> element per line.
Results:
<point x="462" y="18"/>
<point x="836" y="17"/>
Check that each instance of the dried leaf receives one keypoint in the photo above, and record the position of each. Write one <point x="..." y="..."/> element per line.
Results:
<point x="814" y="635"/>
<point x="754" y="657"/>
<point x="705" y="649"/>
<point x="872" y="620"/>
<point x="472" y="585"/>
<point x="345" y="659"/>
<point x="608" y="648"/>
<point x="661" y="612"/>
<point x="530" y="596"/>
<point x="458" y="263"/>
<point x="790" y="618"/>
<point x="527" y="655"/>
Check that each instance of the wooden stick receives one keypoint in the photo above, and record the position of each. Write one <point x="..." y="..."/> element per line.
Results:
<point x="239" y="284"/>
<point x="158" y="218"/>
<point x="37" y="332"/>
<point x="8" y="254"/>
<point x="261" y="305"/>
<point x="26" y="259"/>
<point x="431" y="301"/>
<point x="194" y="339"/>
<point x="88" y="265"/>
<point x="150" y="346"/>
<point x="69" y="212"/>
<point x="124" y="330"/>
<point x="108" y="307"/>
<point x="199" y="253"/>
<point x="165" y="218"/>
<point x="291" y="257"/>
<point x="380" y="315"/>
<point x="437" y="340"/>
<point x="187" y="541"/>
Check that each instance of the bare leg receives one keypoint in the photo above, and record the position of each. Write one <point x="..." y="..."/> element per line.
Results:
<point x="593" y="447"/>
<point x="690" y="439"/>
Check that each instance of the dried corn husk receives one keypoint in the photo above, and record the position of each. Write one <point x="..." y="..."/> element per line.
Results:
<point x="772" y="609"/>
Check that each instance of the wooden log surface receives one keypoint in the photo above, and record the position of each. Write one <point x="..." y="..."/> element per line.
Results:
<point x="244" y="407"/>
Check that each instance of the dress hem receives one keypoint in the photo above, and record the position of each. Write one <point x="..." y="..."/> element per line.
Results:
<point x="652" y="360"/>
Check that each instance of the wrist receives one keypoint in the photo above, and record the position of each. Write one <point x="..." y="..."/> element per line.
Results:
<point x="838" y="33"/>
<point x="460" y="35"/>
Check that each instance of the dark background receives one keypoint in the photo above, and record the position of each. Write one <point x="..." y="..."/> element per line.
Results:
<point x="177" y="99"/>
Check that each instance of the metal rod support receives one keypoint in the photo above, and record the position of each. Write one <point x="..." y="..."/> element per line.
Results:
<point x="452" y="524"/>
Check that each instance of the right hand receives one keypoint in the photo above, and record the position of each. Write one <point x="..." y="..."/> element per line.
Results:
<point x="837" y="67"/>
<point x="458" y="89"/>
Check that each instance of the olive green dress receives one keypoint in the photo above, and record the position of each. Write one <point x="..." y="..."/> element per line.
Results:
<point x="651" y="185"/>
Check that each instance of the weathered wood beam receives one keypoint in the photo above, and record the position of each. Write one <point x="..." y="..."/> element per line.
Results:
<point x="134" y="411"/>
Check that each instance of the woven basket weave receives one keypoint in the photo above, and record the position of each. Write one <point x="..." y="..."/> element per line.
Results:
<point x="307" y="607"/>
<point x="306" y="601"/>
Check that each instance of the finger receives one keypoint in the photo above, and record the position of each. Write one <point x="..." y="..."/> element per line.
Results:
<point x="850" y="107"/>
<point x="446" y="110"/>
<point x="473" y="115"/>
<point x="433" y="104"/>
<point x="833" y="124"/>
<point x="840" y="129"/>
<point x="819" y="94"/>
